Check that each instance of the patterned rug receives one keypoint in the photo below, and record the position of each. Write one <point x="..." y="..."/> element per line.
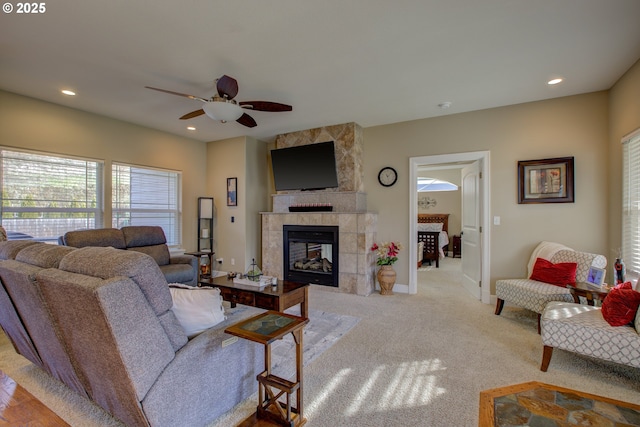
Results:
<point x="323" y="330"/>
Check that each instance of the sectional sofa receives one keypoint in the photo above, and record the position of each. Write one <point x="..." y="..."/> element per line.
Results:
<point x="99" y="319"/>
<point x="147" y="239"/>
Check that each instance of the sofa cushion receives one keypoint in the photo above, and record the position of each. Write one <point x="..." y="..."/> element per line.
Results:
<point x="197" y="309"/>
<point x="9" y="249"/>
<point x="160" y="253"/>
<point x="531" y="294"/>
<point x="620" y="306"/>
<point x="43" y="255"/>
<point x="179" y="273"/>
<point x="95" y="237"/>
<point x="143" y="235"/>
<point x="560" y="274"/>
<point x="142" y="269"/>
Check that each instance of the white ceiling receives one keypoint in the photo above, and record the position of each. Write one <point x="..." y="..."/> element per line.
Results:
<point x="372" y="62"/>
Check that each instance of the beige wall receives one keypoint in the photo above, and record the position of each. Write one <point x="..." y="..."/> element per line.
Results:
<point x="624" y="118"/>
<point x="32" y="124"/>
<point x="240" y="240"/>
<point x="571" y="126"/>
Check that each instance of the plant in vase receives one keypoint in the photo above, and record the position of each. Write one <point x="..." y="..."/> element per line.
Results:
<point x="387" y="254"/>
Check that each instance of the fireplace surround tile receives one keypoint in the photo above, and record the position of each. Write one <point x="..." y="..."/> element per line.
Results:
<point x="356" y="235"/>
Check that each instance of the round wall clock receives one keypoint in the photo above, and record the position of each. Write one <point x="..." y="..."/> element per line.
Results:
<point x="387" y="176"/>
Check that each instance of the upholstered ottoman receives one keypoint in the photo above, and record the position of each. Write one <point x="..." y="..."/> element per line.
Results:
<point x="582" y="329"/>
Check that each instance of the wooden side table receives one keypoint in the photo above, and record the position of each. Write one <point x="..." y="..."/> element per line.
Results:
<point x="265" y="328"/>
<point x="589" y="292"/>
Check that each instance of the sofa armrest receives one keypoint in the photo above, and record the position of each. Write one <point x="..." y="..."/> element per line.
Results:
<point x="205" y="380"/>
<point x="184" y="259"/>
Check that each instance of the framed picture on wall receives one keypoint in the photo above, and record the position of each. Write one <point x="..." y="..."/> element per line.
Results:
<point x="545" y="181"/>
<point x="232" y="191"/>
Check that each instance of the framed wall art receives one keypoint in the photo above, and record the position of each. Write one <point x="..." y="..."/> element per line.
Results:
<point x="546" y="180"/>
<point x="232" y="191"/>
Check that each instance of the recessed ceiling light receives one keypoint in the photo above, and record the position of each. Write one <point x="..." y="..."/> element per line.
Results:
<point x="68" y="92"/>
<point x="555" y="81"/>
<point x="191" y="128"/>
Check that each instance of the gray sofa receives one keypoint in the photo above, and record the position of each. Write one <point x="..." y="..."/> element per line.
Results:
<point x="142" y="238"/>
<point x="99" y="319"/>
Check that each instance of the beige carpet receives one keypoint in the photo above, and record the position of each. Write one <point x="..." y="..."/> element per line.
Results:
<point x="422" y="360"/>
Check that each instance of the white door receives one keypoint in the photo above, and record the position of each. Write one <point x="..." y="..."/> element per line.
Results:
<point x="471" y="228"/>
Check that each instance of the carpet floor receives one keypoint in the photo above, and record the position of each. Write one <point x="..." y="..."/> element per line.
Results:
<point x="422" y="360"/>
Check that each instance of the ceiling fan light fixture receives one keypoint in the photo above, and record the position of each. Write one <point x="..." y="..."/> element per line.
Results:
<point x="225" y="111"/>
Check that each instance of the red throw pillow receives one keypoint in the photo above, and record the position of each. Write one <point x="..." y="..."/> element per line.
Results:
<point x="621" y="304"/>
<point x="561" y="274"/>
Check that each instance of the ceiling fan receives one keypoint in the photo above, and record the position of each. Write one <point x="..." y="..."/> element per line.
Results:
<point x="223" y="107"/>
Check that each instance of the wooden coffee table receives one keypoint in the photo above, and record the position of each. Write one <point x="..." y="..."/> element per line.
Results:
<point x="285" y="295"/>
<point x="265" y="328"/>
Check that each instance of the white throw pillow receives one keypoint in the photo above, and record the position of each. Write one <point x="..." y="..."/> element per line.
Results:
<point x="197" y="309"/>
<point x="430" y="226"/>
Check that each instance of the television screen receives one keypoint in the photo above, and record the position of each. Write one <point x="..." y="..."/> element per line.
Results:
<point x="305" y="167"/>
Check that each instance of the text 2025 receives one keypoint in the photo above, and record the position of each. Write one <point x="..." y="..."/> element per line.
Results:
<point x="31" y="7"/>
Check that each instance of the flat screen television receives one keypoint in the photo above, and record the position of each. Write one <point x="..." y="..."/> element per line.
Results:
<point x="305" y="167"/>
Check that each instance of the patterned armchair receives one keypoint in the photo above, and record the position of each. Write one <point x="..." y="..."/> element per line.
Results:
<point x="534" y="295"/>
<point x="582" y="329"/>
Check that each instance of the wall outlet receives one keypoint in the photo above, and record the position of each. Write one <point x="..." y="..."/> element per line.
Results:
<point x="233" y="261"/>
<point x="220" y="260"/>
<point x="229" y="341"/>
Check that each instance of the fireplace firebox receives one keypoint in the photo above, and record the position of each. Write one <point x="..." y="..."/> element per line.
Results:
<point x="311" y="254"/>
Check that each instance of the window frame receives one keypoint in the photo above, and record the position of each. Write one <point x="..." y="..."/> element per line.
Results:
<point x="630" y="250"/>
<point x="42" y="222"/>
<point x="173" y="230"/>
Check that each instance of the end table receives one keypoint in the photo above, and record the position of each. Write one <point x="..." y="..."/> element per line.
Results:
<point x="589" y="292"/>
<point x="265" y="328"/>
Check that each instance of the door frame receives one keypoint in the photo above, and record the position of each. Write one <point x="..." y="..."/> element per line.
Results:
<point x="485" y="188"/>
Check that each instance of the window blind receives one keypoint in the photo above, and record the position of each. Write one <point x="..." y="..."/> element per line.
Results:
<point x="631" y="202"/>
<point x="44" y="196"/>
<point x="146" y="196"/>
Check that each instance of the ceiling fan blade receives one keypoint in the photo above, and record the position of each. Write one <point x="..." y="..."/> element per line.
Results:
<point x="265" y="106"/>
<point x="192" y="114"/>
<point x="227" y="86"/>
<point x="247" y="121"/>
<point x="186" y="95"/>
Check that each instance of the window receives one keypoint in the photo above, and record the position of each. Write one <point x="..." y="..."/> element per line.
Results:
<point x="45" y="196"/>
<point x="145" y="196"/>
<point x="631" y="203"/>
<point x="433" y="184"/>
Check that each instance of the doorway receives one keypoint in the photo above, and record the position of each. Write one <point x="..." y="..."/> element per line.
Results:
<point x="483" y="213"/>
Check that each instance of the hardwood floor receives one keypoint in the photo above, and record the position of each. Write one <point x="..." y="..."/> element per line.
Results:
<point x="18" y="407"/>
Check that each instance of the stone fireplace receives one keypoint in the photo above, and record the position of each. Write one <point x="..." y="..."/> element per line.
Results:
<point x="356" y="227"/>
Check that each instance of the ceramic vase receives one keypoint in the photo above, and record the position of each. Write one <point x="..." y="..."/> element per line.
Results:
<point x="386" y="279"/>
